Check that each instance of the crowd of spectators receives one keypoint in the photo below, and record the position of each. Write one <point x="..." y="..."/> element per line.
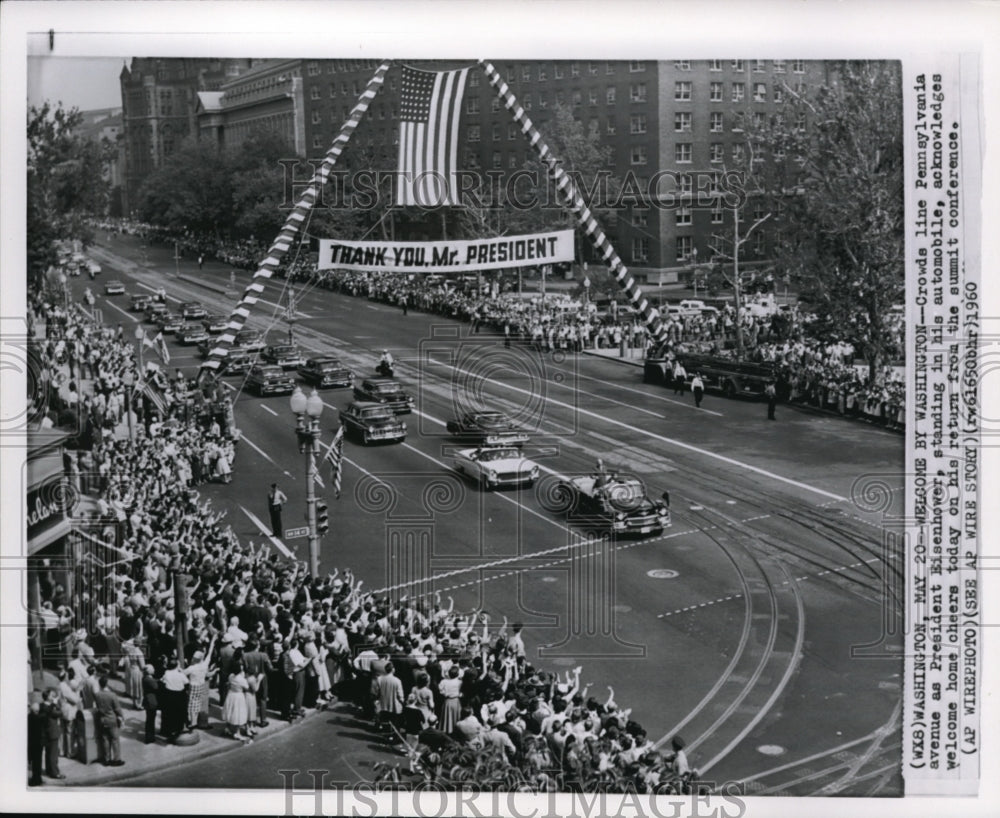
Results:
<point x="177" y="606"/>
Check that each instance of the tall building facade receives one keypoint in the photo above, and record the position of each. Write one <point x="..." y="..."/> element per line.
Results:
<point x="159" y="98"/>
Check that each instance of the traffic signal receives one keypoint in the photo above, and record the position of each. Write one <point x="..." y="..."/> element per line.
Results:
<point x="322" y="517"/>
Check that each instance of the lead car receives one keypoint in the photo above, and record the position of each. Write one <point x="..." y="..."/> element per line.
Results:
<point x="497" y="466"/>
<point x="621" y="502"/>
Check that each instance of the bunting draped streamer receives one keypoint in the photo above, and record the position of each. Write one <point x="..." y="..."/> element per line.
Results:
<point x="294" y="221"/>
<point x="576" y="205"/>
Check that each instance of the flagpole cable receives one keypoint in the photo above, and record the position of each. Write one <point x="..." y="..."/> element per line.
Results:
<point x="282" y="243"/>
<point x="575" y="204"/>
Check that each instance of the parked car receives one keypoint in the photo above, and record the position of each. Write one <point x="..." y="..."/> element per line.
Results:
<point x="691" y="306"/>
<point x="323" y="372"/>
<point x="267" y="379"/>
<point x="372" y="422"/>
<point x="192" y="310"/>
<point x="114" y="287"/>
<point x="250" y="340"/>
<point x="287" y="356"/>
<point x="487" y="428"/>
<point x="191" y="333"/>
<point x="386" y="391"/>
<point x="494" y="467"/>
<point x="214" y="323"/>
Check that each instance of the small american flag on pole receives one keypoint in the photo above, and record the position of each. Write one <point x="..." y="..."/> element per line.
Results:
<point x="430" y="109"/>
<point x="335" y="457"/>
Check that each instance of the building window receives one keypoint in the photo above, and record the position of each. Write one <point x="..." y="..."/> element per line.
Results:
<point x="715" y="152"/>
<point x="684" y="246"/>
<point x="543" y="73"/>
<point x="592" y="97"/>
<point x="682" y="91"/>
<point x="526" y="73"/>
<point x="610" y="97"/>
<point x="355" y="88"/>
<point x="800" y="122"/>
<point x="683" y="216"/>
<point x="759" y="92"/>
<point x="760" y="65"/>
<point x="636" y="66"/>
<point x="759" y="119"/>
<point x="737" y="65"/>
<point x="495" y="105"/>
<point x="333" y="90"/>
<point x="592" y="69"/>
<point x="779" y="66"/>
<point x="313" y="69"/>
<point x="715" y="122"/>
<point x="640" y="249"/>
<point x="497" y="160"/>
<point x="637" y="92"/>
<point x="715" y="65"/>
<point x="472" y="105"/>
<point x="314" y="92"/>
<point x="637" y="123"/>
<point x="471" y="160"/>
<point x="331" y="68"/>
<point x="557" y="71"/>
<point x="574" y="70"/>
<point x="526" y="102"/>
<point x="496" y="133"/>
<point x="611" y="127"/>
<point x="510" y="73"/>
<point x="738" y="153"/>
<point x="779" y="94"/>
<point x="473" y="133"/>
<point x="682" y="121"/>
<point x="739" y="91"/>
<point x="682" y="152"/>
<point x="609" y="68"/>
<point x="577" y="99"/>
<point x="638" y="155"/>
<point x="512" y="131"/>
<point x="315" y="117"/>
<point x="512" y="161"/>
<point x="560" y="97"/>
<point x="715" y="92"/>
<point x="684" y="183"/>
<point x="543" y="100"/>
<point x="594" y="126"/>
<point x="317" y="142"/>
<point x="682" y="65"/>
<point x="738" y="121"/>
<point x="799" y="66"/>
<point x="473" y="79"/>
<point x="639" y="218"/>
<point x="717" y="214"/>
<point x="760" y="243"/>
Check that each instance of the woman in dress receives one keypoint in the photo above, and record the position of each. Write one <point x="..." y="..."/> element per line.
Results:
<point x="235" y="712"/>
<point x="133" y="661"/>
<point x="451" y="705"/>
<point x="322" y="672"/>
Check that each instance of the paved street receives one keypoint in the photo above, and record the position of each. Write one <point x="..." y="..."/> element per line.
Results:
<point x="743" y="626"/>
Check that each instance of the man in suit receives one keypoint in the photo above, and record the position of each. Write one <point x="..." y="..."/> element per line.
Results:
<point x="389" y="698"/>
<point x="256" y="663"/>
<point x="108" y="714"/>
<point x="53" y="732"/>
<point x="36" y="738"/>
<point x="150" y="702"/>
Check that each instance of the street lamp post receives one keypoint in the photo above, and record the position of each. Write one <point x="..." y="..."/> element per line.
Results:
<point x="290" y="313"/>
<point x="129" y="379"/>
<point x="307" y="412"/>
<point x="177" y="258"/>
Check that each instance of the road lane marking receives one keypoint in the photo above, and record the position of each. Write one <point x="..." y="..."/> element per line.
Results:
<point x="263" y="454"/>
<point x="267" y="408"/>
<point x="609" y="400"/>
<point x="649" y="395"/>
<point x="123" y="312"/>
<point x="157" y="289"/>
<point x="669" y="440"/>
<point x="267" y="533"/>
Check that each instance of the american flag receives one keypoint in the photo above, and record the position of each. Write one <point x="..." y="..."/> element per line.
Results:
<point x="428" y="137"/>
<point x="161" y="347"/>
<point x="335" y="457"/>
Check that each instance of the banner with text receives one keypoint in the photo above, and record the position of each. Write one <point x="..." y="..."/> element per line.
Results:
<point x="456" y="256"/>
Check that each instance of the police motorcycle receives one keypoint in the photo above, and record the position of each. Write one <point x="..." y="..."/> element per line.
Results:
<point x="385" y="365"/>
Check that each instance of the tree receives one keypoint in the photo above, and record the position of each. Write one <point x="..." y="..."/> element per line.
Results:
<point x="257" y="181"/>
<point x="841" y="201"/>
<point x="65" y="185"/>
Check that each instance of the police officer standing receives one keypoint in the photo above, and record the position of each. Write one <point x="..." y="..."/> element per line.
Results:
<point x="275" y="500"/>
<point x="698" y="388"/>
<point x="771" y="393"/>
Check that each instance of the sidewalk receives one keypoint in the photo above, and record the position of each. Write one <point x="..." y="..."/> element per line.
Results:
<point x="612" y="355"/>
<point x="141" y="758"/>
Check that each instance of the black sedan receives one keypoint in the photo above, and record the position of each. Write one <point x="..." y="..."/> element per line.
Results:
<point x="191" y="333"/>
<point x="386" y="391"/>
<point x="372" y="422"/>
<point x="487" y="428"/>
<point x="287" y="356"/>
<point x="192" y="310"/>
<point x="214" y="324"/>
<point x="323" y="372"/>
<point x="266" y="379"/>
<point x="170" y="322"/>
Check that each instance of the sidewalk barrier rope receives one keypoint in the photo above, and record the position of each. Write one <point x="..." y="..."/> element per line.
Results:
<point x="575" y="203"/>
<point x="292" y="224"/>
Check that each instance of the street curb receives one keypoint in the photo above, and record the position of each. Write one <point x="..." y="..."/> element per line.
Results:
<point x="593" y="354"/>
<point x="209" y="749"/>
